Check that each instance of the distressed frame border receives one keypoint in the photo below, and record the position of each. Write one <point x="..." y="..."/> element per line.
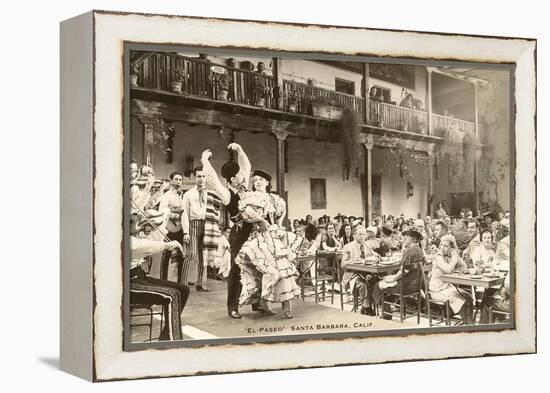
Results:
<point x="112" y="30"/>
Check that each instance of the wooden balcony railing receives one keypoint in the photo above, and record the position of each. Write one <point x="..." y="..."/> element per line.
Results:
<point x="201" y="78"/>
<point x="397" y="118"/>
<point x="447" y="123"/>
<point x="159" y="71"/>
<point x="302" y="98"/>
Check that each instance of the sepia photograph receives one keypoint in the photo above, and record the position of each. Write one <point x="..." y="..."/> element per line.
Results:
<point x="284" y="196"/>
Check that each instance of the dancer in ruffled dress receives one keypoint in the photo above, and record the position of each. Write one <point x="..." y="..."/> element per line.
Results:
<point x="268" y="274"/>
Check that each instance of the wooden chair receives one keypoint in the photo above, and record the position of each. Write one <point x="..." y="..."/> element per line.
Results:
<point x="325" y="270"/>
<point x="145" y="310"/>
<point x="408" y="288"/>
<point x="444" y="306"/>
<point x="505" y="315"/>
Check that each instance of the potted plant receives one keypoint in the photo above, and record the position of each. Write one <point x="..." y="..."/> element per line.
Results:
<point x="231" y="62"/>
<point x="326" y="107"/>
<point x="292" y="101"/>
<point x="260" y="90"/>
<point x="179" y="78"/>
<point x="134" y="75"/>
<point x="221" y="82"/>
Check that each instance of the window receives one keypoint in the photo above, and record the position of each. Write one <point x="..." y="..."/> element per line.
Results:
<point x="344" y="86"/>
<point x="386" y="93"/>
<point x="318" y="193"/>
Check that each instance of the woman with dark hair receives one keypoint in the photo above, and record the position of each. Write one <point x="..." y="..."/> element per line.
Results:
<point x="330" y="242"/>
<point x="347" y="237"/>
<point x="268" y="274"/>
<point x="483" y="255"/>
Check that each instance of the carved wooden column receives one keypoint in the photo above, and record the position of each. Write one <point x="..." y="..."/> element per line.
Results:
<point x="278" y="75"/>
<point x="280" y="161"/>
<point x="365" y="92"/>
<point x="429" y="103"/>
<point x="368" y="178"/>
<point x="430" y="185"/>
<point x="476" y="132"/>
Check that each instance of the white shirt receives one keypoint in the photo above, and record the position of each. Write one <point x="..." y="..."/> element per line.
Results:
<point x="142" y="248"/>
<point x="194" y="204"/>
<point x="171" y="200"/>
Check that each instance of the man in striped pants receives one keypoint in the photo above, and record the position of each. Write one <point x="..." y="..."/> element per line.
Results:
<point x="192" y="220"/>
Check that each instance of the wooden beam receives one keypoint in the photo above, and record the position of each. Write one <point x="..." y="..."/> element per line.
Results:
<point x="201" y="110"/>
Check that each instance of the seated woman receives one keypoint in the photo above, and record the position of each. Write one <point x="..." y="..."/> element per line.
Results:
<point x="483" y="255"/>
<point x="330" y="242"/>
<point x="347" y="237"/>
<point x="268" y="274"/>
<point x="446" y="261"/>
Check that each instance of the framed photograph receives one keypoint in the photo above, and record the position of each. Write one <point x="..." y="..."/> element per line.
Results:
<point x="241" y="195"/>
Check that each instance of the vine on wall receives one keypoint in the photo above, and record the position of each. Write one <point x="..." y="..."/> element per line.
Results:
<point x="349" y="126"/>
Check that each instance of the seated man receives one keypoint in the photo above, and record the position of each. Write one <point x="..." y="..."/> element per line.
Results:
<point x="143" y="289"/>
<point x="360" y="286"/>
<point x="411" y="263"/>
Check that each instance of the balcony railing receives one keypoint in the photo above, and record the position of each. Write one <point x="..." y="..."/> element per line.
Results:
<point x="397" y="118"/>
<point x="245" y="87"/>
<point x="159" y="70"/>
<point x="447" y="123"/>
<point x="304" y="99"/>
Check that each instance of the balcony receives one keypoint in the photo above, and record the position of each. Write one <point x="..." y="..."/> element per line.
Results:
<point x="242" y="91"/>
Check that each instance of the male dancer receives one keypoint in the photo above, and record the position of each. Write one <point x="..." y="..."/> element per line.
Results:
<point x="171" y="206"/>
<point x="193" y="220"/>
<point x="237" y="175"/>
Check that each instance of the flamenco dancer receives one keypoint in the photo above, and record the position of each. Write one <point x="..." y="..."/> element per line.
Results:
<point x="237" y="175"/>
<point x="268" y="274"/>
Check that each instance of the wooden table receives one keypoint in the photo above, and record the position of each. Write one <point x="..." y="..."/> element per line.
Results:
<point x="466" y="279"/>
<point x="372" y="268"/>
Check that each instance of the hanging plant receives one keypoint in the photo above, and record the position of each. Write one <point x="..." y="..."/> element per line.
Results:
<point x="349" y="126"/>
<point x="401" y="150"/>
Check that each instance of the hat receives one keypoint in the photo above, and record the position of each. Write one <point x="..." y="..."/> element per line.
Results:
<point x="505" y="222"/>
<point x="141" y="181"/>
<point x="230" y="169"/>
<point x="419" y="222"/>
<point x="386" y="230"/>
<point x="492" y="215"/>
<point x="263" y="174"/>
<point x="154" y="216"/>
<point x="158" y="182"/>
<point x="374" y="230"/>
<point x="414" y="234"/>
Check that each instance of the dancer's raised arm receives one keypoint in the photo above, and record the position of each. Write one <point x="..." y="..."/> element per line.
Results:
<point x="242" y="160"/>
<point x="212" y="179"/>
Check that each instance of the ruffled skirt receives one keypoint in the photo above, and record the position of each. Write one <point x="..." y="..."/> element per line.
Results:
<point x="267" y="268"/>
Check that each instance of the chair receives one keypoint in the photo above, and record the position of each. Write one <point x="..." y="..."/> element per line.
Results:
<point x="503" y="314"/>
<point x="443" y="305"/>
<point x="324" y="270"/>
<point x="408" y="288"/>
<point x="145" y="310"/>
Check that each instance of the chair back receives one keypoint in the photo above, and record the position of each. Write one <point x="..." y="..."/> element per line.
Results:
<point x="411" y="283"/>
<point x="325" y="263"/>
